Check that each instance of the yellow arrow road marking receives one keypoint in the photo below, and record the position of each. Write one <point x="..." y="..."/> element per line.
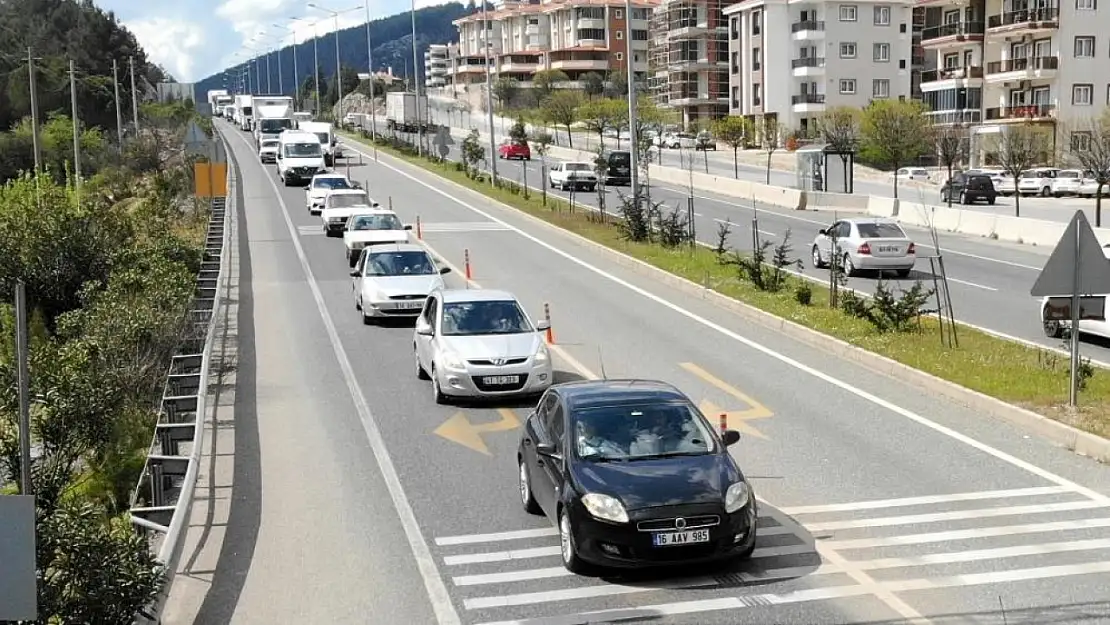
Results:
<point x="460" y="430"/>
<point x="736" y="419"/>
<point x="755" y="409"/>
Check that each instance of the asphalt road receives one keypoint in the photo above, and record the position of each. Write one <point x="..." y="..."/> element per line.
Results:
<point x="989" y="280"/>
<point x="895" y="493"/>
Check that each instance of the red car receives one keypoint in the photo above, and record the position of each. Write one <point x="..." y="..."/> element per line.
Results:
<point x="510" y="149"/>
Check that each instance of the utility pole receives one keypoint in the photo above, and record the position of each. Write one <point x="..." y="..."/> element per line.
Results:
<point x="134" y="95"/>
<point x="633" y="150"/>
<point x="370" y="69"/>
<point x="316" y="65"/>
<point x="76" y="131"/>
<point x="416" y="87"/>
<point x="119" y="111"/>
<point x="489" y="94"/>
<point x="338" y="75"/>
<point x="23" y="382"/>
<point x="269" y="76"/>
<point x="34" y="111"/>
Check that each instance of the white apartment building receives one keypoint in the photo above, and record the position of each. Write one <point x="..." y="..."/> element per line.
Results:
<point x="436" y="58"/>
<point x="1003" y="62"/>
<point x="794" y="59"/>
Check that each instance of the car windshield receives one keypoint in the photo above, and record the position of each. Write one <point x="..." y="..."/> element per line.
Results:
<point x="331" y="183"/>
<point x="302" y="150"/>
<point x="347" y="200"/>
<point x="489" y="317"/>
<point x="641" y="431"/>
<point x="270" y="145"/>
<point x="1068" y="174"/>
<point x="377" y="222"/>
<point x="620" y="158"/>
<point x="578" y="167"/>
<point x="880" y="231"/>
<point x="269" y="126"/>
<point x="399" y="264"/>
<point x="246" y="110"/>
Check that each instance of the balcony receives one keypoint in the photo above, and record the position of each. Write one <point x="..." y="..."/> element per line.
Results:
<point x="946" y="34"/>
<point x="1033" y="68"/>
<point x="809" y="66"/>
<point x="949" y="73"/>
<point x="1025" y="112"/>
<point x="807" y="30"/>
<point x="958" y="116"/>
<point x="808" y="103"/>
<point x="580" y="60"/>
<point x="1042" y="18"/>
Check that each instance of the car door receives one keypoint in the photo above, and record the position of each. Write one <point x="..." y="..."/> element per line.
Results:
<point x="550" y="475"/>
<point x="424" y="342"/>
<point x="357" y="274"/>
<point x="826" y="240"/>
<point x="536" y="431"/>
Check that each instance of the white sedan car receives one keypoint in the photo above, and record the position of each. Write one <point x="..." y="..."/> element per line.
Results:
<point x="480" y="343"/>
<point x="394" y="280"/>
<point x="912" y="174"/>
<point x="373" y="226"/>
<point x="267" y="152"/>
<point x="573" y="174"/>
<point x="865" y="245"/>
<point x="338" y="206"/>
<point x="319" y="187"/>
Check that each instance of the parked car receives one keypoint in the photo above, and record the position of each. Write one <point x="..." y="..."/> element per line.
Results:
<point x="1037" y="181"/>
<point x="1088" y="187"/>
<point x="914" y="174"/>
<point x="512" y="149"/>
<point x="865" y="245"/>
<point x="705" y="141"/>
<point x="577" y="175"/>
<point x="677" y="140"/>
<point x="968" y="188"/>
<point x="1067" y="182"/>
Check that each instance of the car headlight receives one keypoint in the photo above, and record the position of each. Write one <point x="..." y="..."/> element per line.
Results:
<point x="737" y="496"/>
<point x="542" y="355"/>
<point x="605" y="507"/>
<point x="451" y="360"/>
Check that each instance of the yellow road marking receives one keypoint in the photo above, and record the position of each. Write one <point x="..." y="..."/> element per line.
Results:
<point x="735" y="419"/>
<point x="755" y="409"/>
<point x="460" y="430"/>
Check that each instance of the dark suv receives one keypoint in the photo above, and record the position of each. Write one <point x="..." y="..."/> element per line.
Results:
<point x="618" y="168"/>
<point x="968" y="189"/>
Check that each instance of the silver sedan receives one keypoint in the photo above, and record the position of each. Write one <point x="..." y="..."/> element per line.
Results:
<point x="480" y="343"/>
<point x="865" y="245"/>
<point x="393" y="280"/>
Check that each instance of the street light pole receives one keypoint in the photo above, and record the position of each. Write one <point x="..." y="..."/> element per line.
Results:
<point x="370" y="70"/>
<point x="296" y="76"/>
<point x="416" y="84"/>
<point x="633" y="150"/>
<point x="489" y="94"/>
<point x="338" y="73"/>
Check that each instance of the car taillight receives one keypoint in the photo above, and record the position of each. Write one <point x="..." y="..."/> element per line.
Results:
<point x="864" y="249"/>
<point x="911" y="249"/>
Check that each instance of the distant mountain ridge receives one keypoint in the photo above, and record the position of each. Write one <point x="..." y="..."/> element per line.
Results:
<point x="392" y="46"/>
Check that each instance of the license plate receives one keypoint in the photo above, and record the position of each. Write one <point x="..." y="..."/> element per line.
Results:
<point x="670" y="539"/>
<point x="887" y="248"/>
<point x="501" y="380"/>
<point x="415" y="304"/>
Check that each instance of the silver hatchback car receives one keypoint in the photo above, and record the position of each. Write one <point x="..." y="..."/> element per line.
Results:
<point x="480" y="343"/>
<point x="865" y="245"/>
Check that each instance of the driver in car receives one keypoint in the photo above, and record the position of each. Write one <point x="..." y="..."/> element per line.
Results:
<point x="591" y="443"/>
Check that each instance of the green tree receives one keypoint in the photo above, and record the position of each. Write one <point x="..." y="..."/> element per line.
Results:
<point x="544" y="83"/>
<point x="839" y="128"/>
<point x="561" y="109"/>
<point x="617" y="85"/>
<point x="1090" y="150"/>
<point x="602" y="115"/>
<point x="1018" y="148"/>
<point x="736" y="132"/>
<point x="505" y="91"/>
<point x="518" y="131"/>
<point x="593" y="84"/>
<point x="772" y="134"/>
<point x="896" y="132"/>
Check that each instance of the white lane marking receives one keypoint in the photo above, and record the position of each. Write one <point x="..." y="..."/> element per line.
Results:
<point x="976" y="555"/>
<point x="759" y="347"/>
<point x="582" y="592"/>
<point x="501" y="556"/>
<point x="734" y="223"/>
<point x="1000" y="577"/>
<point x="440" y="599"/>
<point x="471" y="539"/>
<point x="972" y="284"/>
<point x="968" y="534"/>
<point x="936" y="517"/>
<point x="919" y="501"/>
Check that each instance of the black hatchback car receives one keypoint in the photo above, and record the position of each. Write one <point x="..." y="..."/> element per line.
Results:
<point x="969" y="188"/>
<point x="618" y="168"/>
<point x="633" y="475"/>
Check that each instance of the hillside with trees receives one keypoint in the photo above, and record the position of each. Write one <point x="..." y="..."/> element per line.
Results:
<point x="392" y="46"/>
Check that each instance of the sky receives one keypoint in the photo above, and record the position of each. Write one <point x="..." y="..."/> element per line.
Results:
<point x="194" y="39"/>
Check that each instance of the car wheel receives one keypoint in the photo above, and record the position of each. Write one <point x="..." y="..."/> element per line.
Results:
<point x="421" y="374"/>
<point x="817" y="262"/>
<point x="1052" y="329"/>
<point x="367" y="320"/>
<point x="358" y="303"/>
<point x="963" y="197"/>
<point x="437" y="392"/>
<point x="567" y="548"/>
<point x="849" y="267"/>
<point x="1047" y="191"/>
<point x="991" y="201"/>
<point x="944" y="197"/>
<point x="526" y="498"/>
<point x="352" y="258"/>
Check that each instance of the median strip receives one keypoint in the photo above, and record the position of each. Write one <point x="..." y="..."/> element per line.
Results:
<point x="1028" y="377"/>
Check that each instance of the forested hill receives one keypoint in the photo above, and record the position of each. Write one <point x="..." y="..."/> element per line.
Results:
<point x="391" y="38"/>
<point x="59" y="30"/>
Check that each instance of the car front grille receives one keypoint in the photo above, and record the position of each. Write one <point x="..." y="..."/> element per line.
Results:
<point x="490" y="363"/>
<point x="693" y="522"/>
<point x="486" y="388"/>
<point x="408" y="297"/>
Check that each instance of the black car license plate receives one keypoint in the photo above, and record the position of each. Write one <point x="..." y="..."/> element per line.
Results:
<point x="501" y="380"/>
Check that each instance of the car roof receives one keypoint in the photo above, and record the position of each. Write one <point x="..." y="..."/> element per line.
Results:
<point x="588" y="394"/>
<point x="870" y="220"/>
<point x="397" y="247"/>
<point x="451" y="296"/>
<point x="347" y="192"/>
<point x="371" y="211"/>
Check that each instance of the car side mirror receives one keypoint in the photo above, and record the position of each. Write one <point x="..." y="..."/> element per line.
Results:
<point x="443" y="270"/>
<point x="423" y="328"/>
<point x="354" y="273"/>
<point x="306" y="188"/>
<point x="731" y="437"/>
<point x="543" y="325"/>
<point x="408" y="226"/>
<point x="823" y="232"/>
<point x="547" y="450"/>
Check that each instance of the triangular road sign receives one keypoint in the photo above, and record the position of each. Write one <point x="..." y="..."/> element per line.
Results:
<point x="1078" y="243"/>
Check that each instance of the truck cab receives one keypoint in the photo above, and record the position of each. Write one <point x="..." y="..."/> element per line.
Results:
<point x="328" y="140"/>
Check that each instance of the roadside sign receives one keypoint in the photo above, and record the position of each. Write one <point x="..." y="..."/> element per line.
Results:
<point x="1077" y="261"/>
<point x="18" y="597"/>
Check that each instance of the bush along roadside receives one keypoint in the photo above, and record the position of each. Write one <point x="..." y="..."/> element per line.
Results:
<point x="892" y="324"/>
<point x="109" y="280"/>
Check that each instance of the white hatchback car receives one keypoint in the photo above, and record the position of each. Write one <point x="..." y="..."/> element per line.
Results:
<point x="319" y="187"/>
<point x="393" y="280"/>
<point x="1067" y="182"/>
<point x="865" y="245"/>
<point x="1037" y="181"/>
<point x="480" y="343"/>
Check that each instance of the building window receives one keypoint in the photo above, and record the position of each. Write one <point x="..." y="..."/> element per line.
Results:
<point x="848" y="12"/>
<point x="618" y="14"/>
<point x="882" y="16"/>
<point x="757" y="22"/>
<point x="596" y="34"/>
<point x="620" y="56"/>
<point x="1084" y="47"/>
<point x="757" y="92"/>
<point x="619" y="33"/>
<point x="847" y="86"/>
<point x="882" y="52"/>
<point x="880" y="88"/>
<point x="735" y="62"/>
<point x="1080" y="141"/>
<point x="639" y="35"/>
<point x="847" y="50"/>
<point x="756" y="58"/>
<point x="1085" y="5"/>
<point x="1082" y="95"/>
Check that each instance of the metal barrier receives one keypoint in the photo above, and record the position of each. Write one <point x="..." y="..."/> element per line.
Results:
<point x="163" y="498"/>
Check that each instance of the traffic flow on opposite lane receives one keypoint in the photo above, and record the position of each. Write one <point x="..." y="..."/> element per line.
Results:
<point x="878" y="503"/>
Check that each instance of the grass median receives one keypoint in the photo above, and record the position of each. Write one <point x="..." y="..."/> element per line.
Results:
<point x="1033" y="378"/>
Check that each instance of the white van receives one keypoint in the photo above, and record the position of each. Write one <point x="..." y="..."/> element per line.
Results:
<point x="300" y="157"/>
<point x="328" y="140"/>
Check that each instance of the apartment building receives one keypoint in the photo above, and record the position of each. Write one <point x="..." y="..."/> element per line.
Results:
<point x="793" y="60"/>
<point x="574" y="36"/>
<point x="436" y="60"/>
<point x="689" y="59"/>
<point x="997" y="63"/>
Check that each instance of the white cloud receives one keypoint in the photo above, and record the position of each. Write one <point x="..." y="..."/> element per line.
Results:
<point x="173" y="44"/>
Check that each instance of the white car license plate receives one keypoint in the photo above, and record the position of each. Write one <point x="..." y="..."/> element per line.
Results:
<point x="888" y="248"/>
<point x="691" y="537"/>
<point x="410" y="305"/>
<point x="501" y="380"/>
